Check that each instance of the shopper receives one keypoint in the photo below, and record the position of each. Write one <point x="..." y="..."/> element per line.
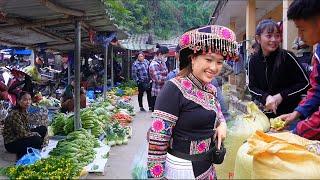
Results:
<point x="140" y="74"/>
<point x="303" y="53"/>
<point x="158" y="71"/>
<point x="182" y="136"/>
<point x="306" y="16"/>
<point x="276" y="79"/>
<point x="17" y="134"/>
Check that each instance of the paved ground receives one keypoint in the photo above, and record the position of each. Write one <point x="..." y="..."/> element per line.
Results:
<point x="121" y="157"/>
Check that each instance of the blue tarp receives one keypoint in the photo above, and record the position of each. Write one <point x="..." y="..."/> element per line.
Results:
<point x="19" y="51"/>
<point x="22" y="52"/>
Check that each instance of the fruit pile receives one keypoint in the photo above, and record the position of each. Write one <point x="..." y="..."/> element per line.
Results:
<point x="123" y="119"/>
<point x="277" y="123"/>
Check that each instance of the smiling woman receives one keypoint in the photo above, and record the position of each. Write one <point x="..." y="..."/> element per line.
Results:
<point x="206" y="67"/>
<point x="189" y="141"/>
<point x="276" y="79"/>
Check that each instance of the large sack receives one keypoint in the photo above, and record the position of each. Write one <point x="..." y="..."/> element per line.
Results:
<point x="243" y="164"/>
<point x="283" y="156"/>
<point x="242" y="128"/>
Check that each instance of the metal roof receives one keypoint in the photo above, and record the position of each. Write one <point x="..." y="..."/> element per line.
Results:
<point x="139" y="42"/>
<point x="51" y="22"/>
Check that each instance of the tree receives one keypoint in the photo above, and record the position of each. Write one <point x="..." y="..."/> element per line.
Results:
<point x="164" y="18"/>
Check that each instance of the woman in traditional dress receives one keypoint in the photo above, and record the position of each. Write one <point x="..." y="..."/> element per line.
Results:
<point x="187" y="120"/>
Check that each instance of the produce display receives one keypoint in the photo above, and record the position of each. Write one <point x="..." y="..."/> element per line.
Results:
<point x="49" y="102"/>
<point x="101" y="118"/>
<point x="123" y="119"/>
<point x="78" y="146"/>
<point x="33" y="72"/>
<point x="116" y="134"/>
<point x="50" y="168"/>
<point x="277" y="123"/>
<point x="128" y="89"/>
<point x="107" y="120"/>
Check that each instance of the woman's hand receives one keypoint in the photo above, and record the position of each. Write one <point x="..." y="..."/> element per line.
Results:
<point x="221" y="133"/>
<point x="278" y="99"/>
<point x="272" y="102"/>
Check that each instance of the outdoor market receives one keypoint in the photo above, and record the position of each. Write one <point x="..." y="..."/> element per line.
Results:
<point x="148" y="89"/>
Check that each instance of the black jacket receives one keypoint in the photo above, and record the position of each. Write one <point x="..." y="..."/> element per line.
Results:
<point x="281" y="73"/>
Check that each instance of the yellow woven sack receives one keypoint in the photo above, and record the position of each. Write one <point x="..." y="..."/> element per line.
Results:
<point x="243" y="164"/>
<point x="242" y="128"/>
<point x="282" y="156"/>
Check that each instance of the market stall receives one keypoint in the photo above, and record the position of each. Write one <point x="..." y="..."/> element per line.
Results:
<point x="105" y="123"/>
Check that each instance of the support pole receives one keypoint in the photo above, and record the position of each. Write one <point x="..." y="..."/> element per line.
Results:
<point x="129" y="64"/>
<point x="105" y="84"/>
<point x="32" y="57"/>
<point x="112" y="74"/>
<point x="77" y="121"/>
<point x="69" y="70"/>
<point x="130" y="57"/>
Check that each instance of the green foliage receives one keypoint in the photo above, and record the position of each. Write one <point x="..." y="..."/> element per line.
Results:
<point x="164" y="18"/>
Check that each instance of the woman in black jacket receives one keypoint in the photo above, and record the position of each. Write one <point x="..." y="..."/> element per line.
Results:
<point x="276" y="79"/>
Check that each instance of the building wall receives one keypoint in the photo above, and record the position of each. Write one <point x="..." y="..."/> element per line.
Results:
<point x="275" y="14"/>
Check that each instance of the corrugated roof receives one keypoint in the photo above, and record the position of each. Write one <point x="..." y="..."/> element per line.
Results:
<point x="139" y="42"/>
<point x="29" y="22"/>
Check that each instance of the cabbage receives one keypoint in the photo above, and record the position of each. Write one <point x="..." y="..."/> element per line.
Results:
<point x="33" y="72"/>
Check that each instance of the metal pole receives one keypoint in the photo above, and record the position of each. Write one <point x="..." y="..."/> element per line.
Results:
<point x="69" y="72"/>
<point x="77" y="121"/>
<point x="105" y="72"/>
<point x="128" y="68"/>
<point x="32" y="57"/>
<point x="112" y="74"/>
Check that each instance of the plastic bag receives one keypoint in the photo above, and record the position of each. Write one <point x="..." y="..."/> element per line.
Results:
<point x="139" y="165"/>
<point x="90" y="94"/>
<point x="243" y="164"/>
<point x="31" y="157"/>
<point x="241" y="129"/>
<point x="283" y="156"/>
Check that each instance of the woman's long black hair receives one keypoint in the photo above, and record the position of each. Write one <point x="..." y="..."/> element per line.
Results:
<point x="271" y="26"/>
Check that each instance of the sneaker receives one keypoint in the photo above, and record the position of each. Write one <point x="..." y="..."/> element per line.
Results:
<point x="142" y="109"/>
<point x="150" y="109"/>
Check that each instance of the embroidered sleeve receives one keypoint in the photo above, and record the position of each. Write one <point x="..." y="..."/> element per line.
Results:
<point x="164" y="118"/>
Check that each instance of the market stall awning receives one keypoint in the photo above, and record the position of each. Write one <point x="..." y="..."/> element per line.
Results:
<point x="50" y="23"/>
